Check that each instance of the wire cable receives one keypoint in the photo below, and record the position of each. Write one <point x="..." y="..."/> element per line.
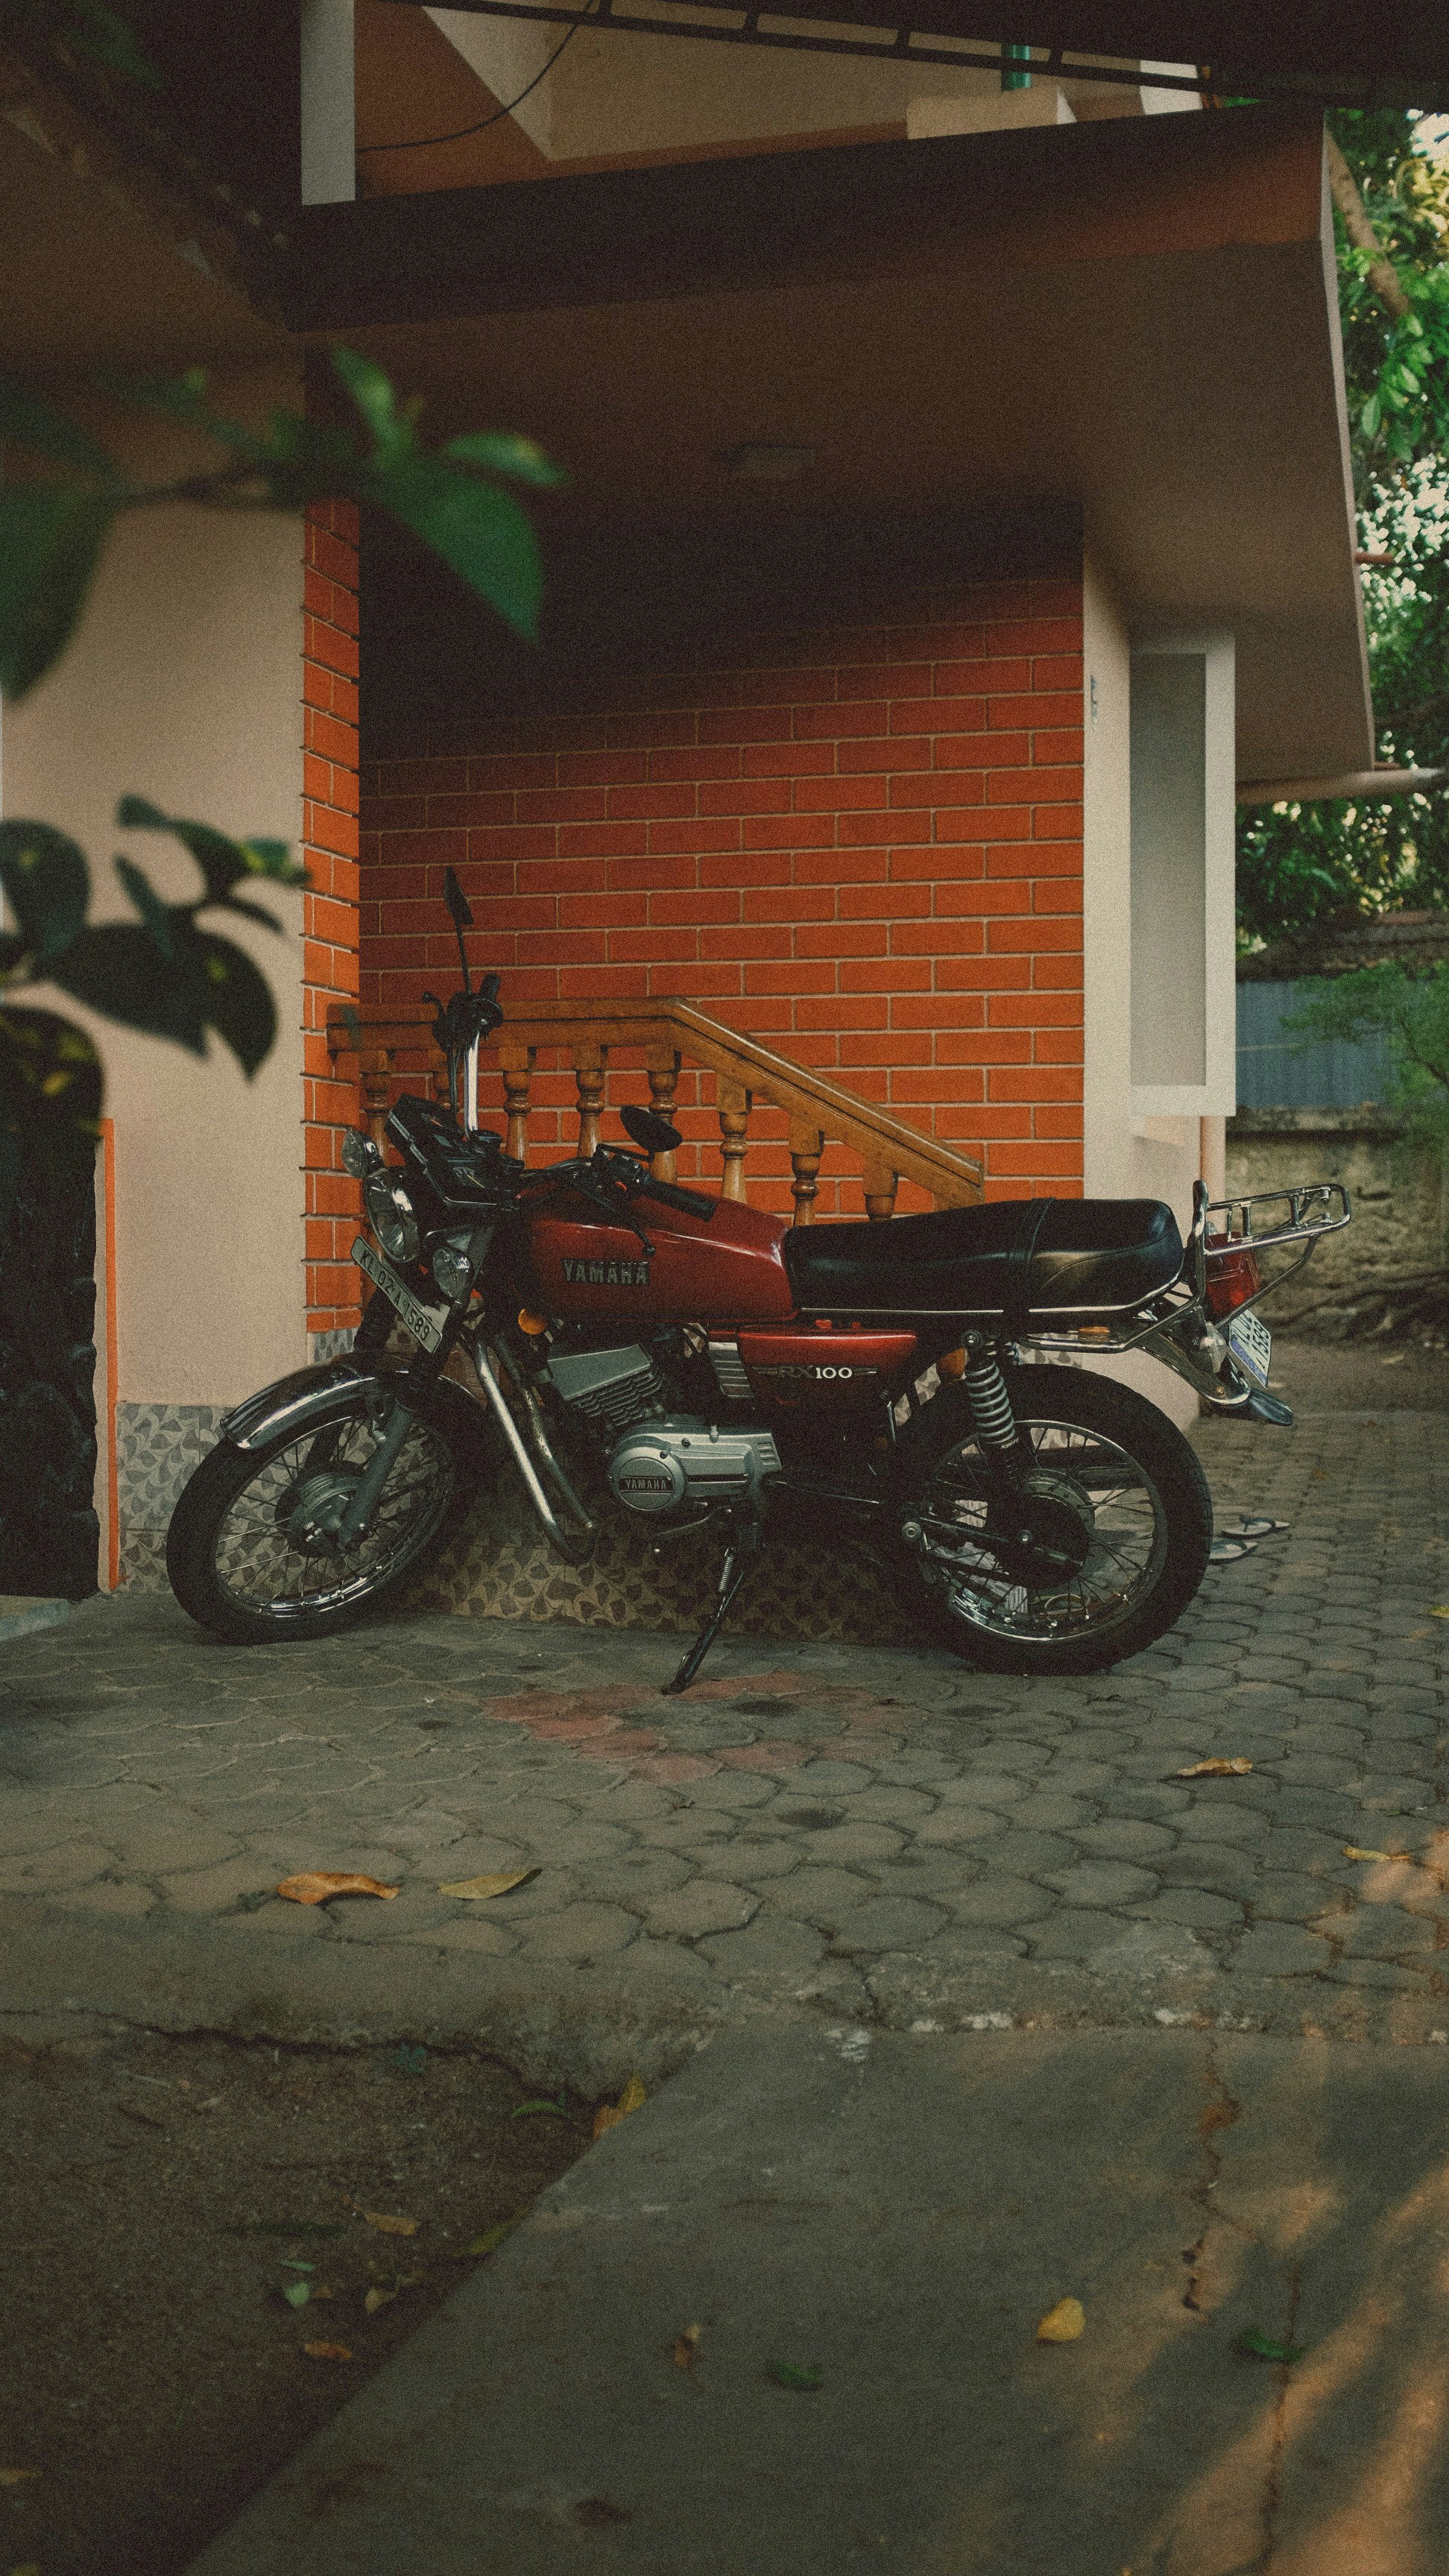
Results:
<point x="425" y="142"/>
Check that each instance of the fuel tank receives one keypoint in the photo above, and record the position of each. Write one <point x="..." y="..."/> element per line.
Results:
<point x="726" y="1268"/>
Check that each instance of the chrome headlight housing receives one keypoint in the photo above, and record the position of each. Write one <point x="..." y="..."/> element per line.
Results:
<point x="359" y="1154"/>
<point x="390" y="1214"/>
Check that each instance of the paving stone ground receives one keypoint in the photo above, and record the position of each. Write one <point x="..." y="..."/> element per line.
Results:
<point x="883" y="1834"/>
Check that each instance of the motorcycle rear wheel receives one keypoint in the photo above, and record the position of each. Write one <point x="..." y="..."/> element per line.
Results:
<point x="247" y="1560"/>
<point x="1109" y="1475"/>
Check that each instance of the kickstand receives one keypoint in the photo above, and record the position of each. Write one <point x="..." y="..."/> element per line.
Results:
<point x="739" y="1555"/>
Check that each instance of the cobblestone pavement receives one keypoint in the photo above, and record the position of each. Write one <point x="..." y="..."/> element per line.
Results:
<point x="884" y="1834"/>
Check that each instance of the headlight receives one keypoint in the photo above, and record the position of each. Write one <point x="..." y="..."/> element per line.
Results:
<point x="359" y="1154"/>
<point x="390" y="1212"/>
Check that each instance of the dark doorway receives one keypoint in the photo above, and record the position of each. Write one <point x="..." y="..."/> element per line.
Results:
<point x="49" y="1533"/>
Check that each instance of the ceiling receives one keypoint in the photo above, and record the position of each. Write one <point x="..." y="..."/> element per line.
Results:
<point x="1135" y="322"/>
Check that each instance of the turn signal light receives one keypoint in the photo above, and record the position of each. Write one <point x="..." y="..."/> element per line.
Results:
<point x="951" y="1364"/>
<point x="1233" y="1275"/>
<point x="528" y="1322"/>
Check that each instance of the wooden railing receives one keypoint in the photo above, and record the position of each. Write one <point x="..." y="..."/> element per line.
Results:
<point x="669" y="1035"/>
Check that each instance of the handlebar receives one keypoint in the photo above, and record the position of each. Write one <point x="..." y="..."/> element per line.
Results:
<point x="690" y="1202"/>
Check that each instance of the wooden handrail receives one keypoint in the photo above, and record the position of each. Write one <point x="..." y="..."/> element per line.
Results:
<point x="668" y="1033"/>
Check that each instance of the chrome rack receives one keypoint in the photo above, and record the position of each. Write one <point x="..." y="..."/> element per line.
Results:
<point x="1329" y="1198"/>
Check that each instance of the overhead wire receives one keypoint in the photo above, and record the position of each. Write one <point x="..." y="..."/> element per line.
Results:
<point x="425" y="142"/>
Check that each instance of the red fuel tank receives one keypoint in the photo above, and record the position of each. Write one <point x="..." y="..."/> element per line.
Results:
<point x="722" y="1269"/>
<point x="807" y="1366"/>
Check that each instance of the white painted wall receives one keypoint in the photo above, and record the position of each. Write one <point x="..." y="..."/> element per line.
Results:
<point x="184" y="684"/>
<point x="1183" y="814"/>
<point x="624" y="93"/>
<point x="1125" y="1155"/>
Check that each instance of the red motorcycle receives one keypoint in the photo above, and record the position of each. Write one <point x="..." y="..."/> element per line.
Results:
<point x="722" y="1367"/>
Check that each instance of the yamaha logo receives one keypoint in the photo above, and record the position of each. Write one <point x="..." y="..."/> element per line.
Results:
<point x="607" y="1274"/>
<point x="646" y="1484"/>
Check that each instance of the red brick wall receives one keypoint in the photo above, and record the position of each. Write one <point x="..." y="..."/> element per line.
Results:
<point x="863" y="844"/>
<point x="330" y="907"/>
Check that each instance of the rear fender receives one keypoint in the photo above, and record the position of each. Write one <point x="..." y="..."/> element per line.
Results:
<point x="310" y="1397"/>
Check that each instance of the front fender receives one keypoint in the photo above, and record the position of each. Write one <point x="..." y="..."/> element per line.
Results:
<point x="311" y="1396"/>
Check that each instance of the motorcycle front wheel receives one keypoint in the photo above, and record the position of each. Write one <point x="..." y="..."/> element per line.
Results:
<point x="249" y="1552"/>
<point x="1101" y="1550"/>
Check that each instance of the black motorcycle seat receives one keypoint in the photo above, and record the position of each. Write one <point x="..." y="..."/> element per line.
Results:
<point x="1014" y="1257"/>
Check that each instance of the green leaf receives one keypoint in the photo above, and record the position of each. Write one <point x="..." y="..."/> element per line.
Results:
<point x="797" y="2374"/>
<point x="238" y="1001"/>
<point x="47" y="885"/>
<point x="156" y="915"/>
<point x="296" y="2293"/>
<point x="372" y="392"/>
<point x="27" y="419"/>
<point x="50" y="544"/>
<point x="504" y="452"/>
<point x="222" y="861"/>
<point x="116" y="968"/>
<point x="492" y="2237"/>
<point x="540" y="2110"/>
<point x="51" y="1091"/>
<point x="1258" y="2347"/>
<point x="481" y="534"/>
<point x="108" y="39"/>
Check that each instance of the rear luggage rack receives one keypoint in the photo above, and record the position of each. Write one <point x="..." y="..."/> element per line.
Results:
<point x="1318" y="1208"/>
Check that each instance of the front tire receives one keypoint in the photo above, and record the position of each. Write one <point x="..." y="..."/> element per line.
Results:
<point x="1110" y="1482"/>
<point x="247" y="1553"/>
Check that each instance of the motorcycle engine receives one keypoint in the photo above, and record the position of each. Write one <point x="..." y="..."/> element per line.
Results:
<point x="659" y="1459"/>
<point x="685" y="1459"/>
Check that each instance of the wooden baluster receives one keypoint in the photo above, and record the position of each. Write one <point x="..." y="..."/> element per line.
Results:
<point x="589" y="1075"/>
<point x="376" y="1076"/>
<point x="517" y="1063"/>
<point x="734" y="1121"/>
<point x="807" y="1144"/>
<point x="663" y="1070"/>
<point x="880" y="1192"/>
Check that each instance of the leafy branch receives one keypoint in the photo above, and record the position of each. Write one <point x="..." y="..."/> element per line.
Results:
<point x="161" y="973"/>
<point x="1411" y="1012"/>
<point x="54" y="525"/>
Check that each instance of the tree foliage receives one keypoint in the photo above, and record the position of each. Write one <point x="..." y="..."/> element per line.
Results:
<point x="1299" y="863"/>
<point x="164" y="972"/>
<point x="1412" y="1013"/>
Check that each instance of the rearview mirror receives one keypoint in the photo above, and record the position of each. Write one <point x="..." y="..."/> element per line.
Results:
<point x="457" y="902"/>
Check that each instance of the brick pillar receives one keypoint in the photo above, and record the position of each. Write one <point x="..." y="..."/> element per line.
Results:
<point x="330" y="906"/>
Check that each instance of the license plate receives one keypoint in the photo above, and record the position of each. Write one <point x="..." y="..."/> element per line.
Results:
<point x="423" y="1322"/>
<point x="1251" y="1345"/>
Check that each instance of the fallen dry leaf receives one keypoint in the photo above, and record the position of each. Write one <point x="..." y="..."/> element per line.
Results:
<point x="685" y="2346"/>
<point x="1353" y="1851"/>
<point x="378" y="2297"/>
<point x="17" y="2477"/>
<point x="1063" y="2323"/>
<point x="314" y="1886"/>
<point x="1439" y="1609"/>
<point x="328" y="2351"/>
<point x="389" y="2226"/>
<point x="494" y="1883"/>
<point x="609" y="2114"/>
<point x="1219" y="1766"/>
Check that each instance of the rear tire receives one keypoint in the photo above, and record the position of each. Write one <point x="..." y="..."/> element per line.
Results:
<point x="1109" y="1465"/>
<point x="243" y="1561"/>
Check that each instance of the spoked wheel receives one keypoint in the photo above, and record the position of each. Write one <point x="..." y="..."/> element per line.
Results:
<point x="253" y="1550"/>
<point x="1102" y="1545"/>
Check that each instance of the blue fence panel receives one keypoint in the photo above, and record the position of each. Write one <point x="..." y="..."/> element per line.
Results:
<point x="1277" y="1069"/>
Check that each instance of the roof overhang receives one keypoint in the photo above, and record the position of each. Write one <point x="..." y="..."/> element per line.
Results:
<point x="1134" y="320"/>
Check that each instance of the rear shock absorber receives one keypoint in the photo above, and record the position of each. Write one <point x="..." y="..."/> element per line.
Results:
<point x="987" y="1396"/>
